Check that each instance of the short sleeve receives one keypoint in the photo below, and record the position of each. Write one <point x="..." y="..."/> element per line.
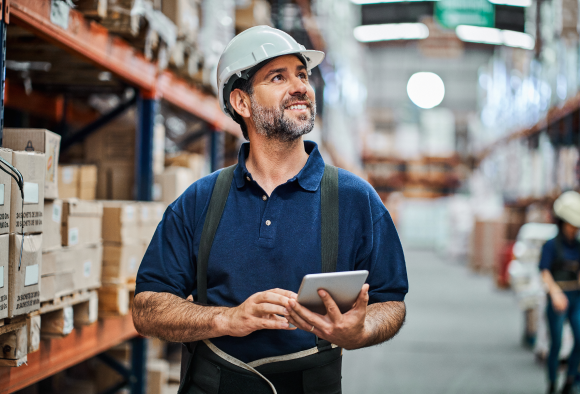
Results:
<point x="548" y="254"/>
<point x="386" y="263"/>
<point x="168" y="264"/>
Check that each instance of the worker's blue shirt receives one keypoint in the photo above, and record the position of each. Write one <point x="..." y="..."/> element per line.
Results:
<point x="570" y="251"/>
<point x="271" y="242"/>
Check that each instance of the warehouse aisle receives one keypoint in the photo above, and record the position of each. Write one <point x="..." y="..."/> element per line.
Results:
<point x="461" y="336"/>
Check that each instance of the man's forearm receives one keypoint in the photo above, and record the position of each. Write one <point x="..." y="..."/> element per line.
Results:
<point x="383" y="321"/>
<point x="171" y="318"/>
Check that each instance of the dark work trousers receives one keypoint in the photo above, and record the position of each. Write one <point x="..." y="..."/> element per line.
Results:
<point x="316" y="374"/>
<point x="556" y="324"/>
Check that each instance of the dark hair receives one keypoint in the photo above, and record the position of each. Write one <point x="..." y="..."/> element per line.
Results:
<point x="246" y="86"/>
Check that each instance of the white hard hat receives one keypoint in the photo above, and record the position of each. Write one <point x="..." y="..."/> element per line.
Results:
<point x="252" y="47"/>
<point x="567" y="207"/>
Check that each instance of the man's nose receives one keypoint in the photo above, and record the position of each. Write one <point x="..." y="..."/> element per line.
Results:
<point x="297" y="87"/>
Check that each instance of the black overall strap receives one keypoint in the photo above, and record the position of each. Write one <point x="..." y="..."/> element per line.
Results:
<point x="329" y="220"/>
<point x="217" y="204"/>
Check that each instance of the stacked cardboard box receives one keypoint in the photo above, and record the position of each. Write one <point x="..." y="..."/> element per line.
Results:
<point x="26" y="225"/>
<point x="5" y="188"/>
<point x="78" y="181"/>
<point x="122" y="255"/>
<point x="112" y="149"/>
<point x="172" y="183"/>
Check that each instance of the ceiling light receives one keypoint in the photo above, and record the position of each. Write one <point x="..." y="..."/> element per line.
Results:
<point x="391" y="31"/>
<point x="426" y="89"/>
<point x="515" y="3"/>
<point x="493" y="36"/>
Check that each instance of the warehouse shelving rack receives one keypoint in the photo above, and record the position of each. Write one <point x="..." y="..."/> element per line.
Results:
<point x="92" y="42"/>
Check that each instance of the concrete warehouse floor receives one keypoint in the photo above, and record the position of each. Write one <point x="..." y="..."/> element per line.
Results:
<point x="461" y="336"/>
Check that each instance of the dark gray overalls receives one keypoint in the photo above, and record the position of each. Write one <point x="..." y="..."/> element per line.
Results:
<point x="205" y="369"/>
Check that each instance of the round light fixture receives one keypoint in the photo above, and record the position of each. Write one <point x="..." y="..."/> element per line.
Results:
<point x="426" y="89"/>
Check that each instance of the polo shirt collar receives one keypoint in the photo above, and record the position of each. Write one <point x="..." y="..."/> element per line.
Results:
<point x="308" y="178"/>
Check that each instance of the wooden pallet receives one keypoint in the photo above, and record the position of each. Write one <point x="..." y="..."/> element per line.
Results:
<point x="61" y="315"/>
<point x="13" y="342"/>
<point x="116" y="299"/>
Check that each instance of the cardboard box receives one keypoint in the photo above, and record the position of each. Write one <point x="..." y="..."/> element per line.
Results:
<point x="150" y="214"/>
<point x="81" y="222"/>
<point x="51" y="225"/>
<point x="31" y="166"/>
<point x="78" y="181"/>
<point x="115" y="180"/>
<point x="56" y="285"/>
<point x="88" y="262"/>
<point x="173" y="183"/>
<point x="121" y="262"/>
<point x="4" y="269"/>
<point x="39" y="140"/>
<point x="120" y="222"/>
<point x="185" y="15"/>
<point x="69" y="180"/>
<point x="87" y="182"/>
<point x="24" y="283"/>
<point x="5" y="193"/>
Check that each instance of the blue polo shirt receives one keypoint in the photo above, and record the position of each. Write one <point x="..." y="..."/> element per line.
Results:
<point x="570" y="251"/>
<point x="266" y="242"/>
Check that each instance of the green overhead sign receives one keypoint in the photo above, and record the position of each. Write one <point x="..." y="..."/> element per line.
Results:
<point x="452" y="13"/>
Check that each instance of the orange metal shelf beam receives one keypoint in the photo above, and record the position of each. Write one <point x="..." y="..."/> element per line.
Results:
<point x="58" y="354"/>
<point x="93" y="42"/>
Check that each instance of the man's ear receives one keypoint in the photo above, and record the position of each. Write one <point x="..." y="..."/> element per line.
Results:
<point x="240" y="102"/>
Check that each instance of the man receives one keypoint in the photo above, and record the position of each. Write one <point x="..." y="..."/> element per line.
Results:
<point x="252" y="336"/>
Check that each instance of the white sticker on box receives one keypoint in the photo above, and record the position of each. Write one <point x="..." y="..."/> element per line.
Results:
<point x="130" y="212"/>
<point x="73" y="236"/>
<point x="1" y="277"/>
<point x="67" y="175"/>
<point x="30" y="193"/>
<point x="31" y="275"/>
<point x="132" y="263"/>
<point x="68" y="323"/>
<point x="87" y="268"/>
<point x="2" y="194"/>
<point x="56" y="212"/>
<point x="157" y="192"/>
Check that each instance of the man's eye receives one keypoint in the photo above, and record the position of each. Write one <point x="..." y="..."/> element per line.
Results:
<point x="277" y="78"/>
<point x="303" y="76"/>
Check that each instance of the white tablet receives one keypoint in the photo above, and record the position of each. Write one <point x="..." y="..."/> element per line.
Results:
<point x="343" y="287"/>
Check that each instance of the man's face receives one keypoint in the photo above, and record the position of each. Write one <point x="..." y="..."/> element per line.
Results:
<point x="283" y="103"/>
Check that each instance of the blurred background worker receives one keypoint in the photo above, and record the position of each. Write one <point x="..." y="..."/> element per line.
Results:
<point x="560" y="265"/>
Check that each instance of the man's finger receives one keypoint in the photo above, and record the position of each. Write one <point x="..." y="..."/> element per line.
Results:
<point x="272" y="298"/>
<point x="299" y="322"/>
<point x="285" y="293"/>
<point x="306" y="315"/>
<point x="269" y="309"/>
<point x="331" y="308"/>
<point x="362" y="300"/>
<point x="274" y="324"/>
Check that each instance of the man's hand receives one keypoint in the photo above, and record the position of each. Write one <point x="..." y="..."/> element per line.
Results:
<point x="559" y="301"/>
<point x="266" y="310"/>
<point x="348" y="330"/>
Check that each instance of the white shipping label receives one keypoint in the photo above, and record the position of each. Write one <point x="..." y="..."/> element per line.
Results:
<point x="2" y="194"/>
<point x="73" y="236"/>
<point x="31" y="275"/>
<point x="56" y="213"/>
<point x="87" y="268"/>
<point x="67" y="175"/>
<point x="130" y="212"/>
<point x="132" y="263"/>
<point x="30" y="193"/>
<point x="59" y="11"/>
<point x="1" y="277"/>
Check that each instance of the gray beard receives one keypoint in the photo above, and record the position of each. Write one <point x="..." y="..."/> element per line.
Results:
<point x="272" y="123"/>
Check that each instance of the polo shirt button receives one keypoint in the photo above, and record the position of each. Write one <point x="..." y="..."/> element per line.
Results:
<point x="248" y="178"/>
<point x="264" y="197"/>
<point x="268" y="222"/>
